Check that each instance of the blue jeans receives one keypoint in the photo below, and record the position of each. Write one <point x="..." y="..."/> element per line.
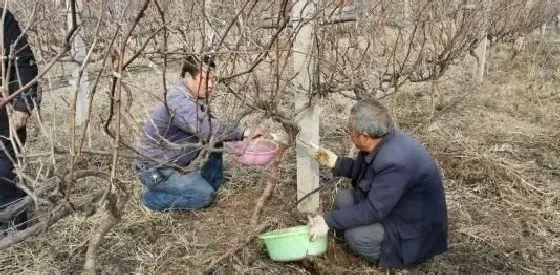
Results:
<point x="166" y="189"/>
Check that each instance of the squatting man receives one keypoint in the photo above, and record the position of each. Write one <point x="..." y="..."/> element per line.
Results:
<point x="395" y="214"/>
<point x="171" y="139"/>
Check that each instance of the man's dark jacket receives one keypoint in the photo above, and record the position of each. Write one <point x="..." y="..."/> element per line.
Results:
<point x="23" y="65"/>
<point x="399" y="186"/>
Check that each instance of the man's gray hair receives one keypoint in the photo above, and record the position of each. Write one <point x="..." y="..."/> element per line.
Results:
<point x="369" y="116"/>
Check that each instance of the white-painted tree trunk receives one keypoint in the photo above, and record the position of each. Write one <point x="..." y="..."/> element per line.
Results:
<point x="304" y="61"/>
<point x="481" y="53"/>
<point x="406" y="9"/>
<point x="78" y="53"/>
<point x="208" y="32"/>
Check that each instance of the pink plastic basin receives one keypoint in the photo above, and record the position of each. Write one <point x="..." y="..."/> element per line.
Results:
<point x="257" y="152"/>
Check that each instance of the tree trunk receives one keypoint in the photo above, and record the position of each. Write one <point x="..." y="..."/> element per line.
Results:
<point x="481" y="52"/>
<point x="304" y="61"/>
<point x="208" y="32"/>
<point x="78" y="53"/>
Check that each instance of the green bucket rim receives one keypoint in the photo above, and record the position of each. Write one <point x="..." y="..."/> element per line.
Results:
<point x="290" y="231"/>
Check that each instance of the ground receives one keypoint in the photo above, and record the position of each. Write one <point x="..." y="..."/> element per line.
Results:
<point x="498" y="146"/>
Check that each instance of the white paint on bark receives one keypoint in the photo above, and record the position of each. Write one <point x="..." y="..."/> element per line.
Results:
<point x="304" y="65"/>
<point x="78" y="53"/>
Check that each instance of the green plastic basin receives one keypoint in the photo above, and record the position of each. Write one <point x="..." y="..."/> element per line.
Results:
<point x="292" y="244"/>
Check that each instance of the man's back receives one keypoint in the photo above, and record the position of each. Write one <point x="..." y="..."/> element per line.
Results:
<point x="418" y="222"/>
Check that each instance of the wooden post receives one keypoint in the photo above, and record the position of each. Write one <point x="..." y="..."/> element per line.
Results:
<point x="304" y="61"/>
<point x="78" y="53"/>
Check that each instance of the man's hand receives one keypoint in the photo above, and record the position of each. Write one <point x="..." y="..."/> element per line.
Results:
<point x="323" y="156"/>
<point x="256" y="131"/>
<point x="19" y="119"/>
<point x="317" y="227"/>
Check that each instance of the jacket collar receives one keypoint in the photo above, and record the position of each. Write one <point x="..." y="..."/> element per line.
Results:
<point x="369" y="157"/>
<point x="182" y="86"/>
<point x="188" y="93"/>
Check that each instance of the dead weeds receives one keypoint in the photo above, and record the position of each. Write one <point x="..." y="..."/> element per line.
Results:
<point x="497" y="146"/>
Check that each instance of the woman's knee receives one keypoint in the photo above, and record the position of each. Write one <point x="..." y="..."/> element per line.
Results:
<point x="190" y="183"/>
<point x="154" y="201"/>
<point x="199" y="198"/>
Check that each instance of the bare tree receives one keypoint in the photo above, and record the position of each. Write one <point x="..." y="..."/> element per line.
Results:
<point x="371" y="49"/>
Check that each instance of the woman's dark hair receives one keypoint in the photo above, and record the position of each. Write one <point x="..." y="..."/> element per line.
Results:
<point x="192" y="64"/>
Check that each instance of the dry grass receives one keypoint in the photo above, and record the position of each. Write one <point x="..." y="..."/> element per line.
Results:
<point x="497" y="145"/>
